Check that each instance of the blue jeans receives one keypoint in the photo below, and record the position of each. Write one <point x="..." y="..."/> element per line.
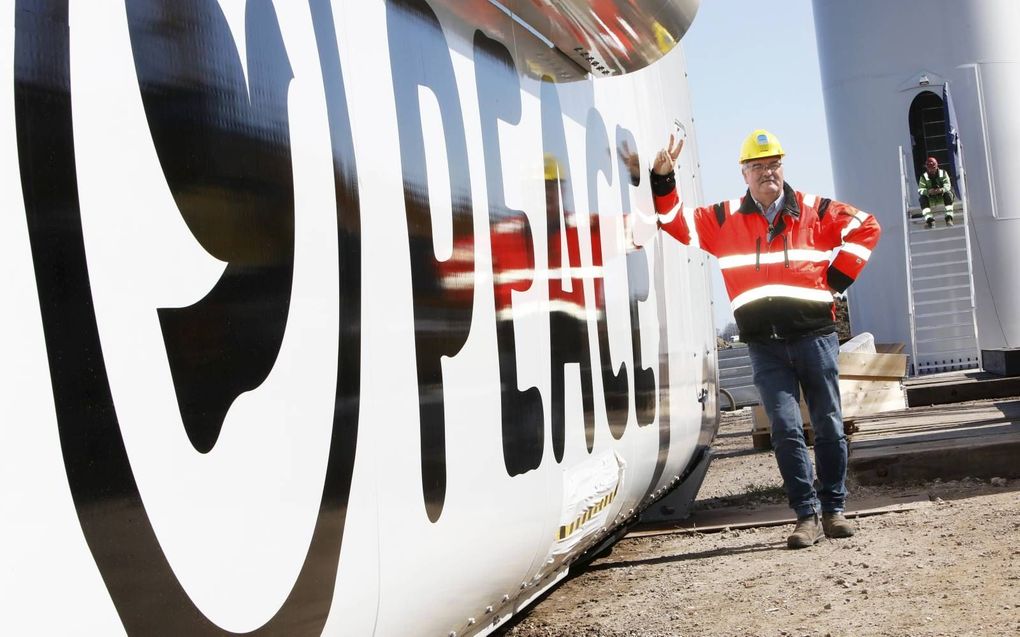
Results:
<point x="781" y="369"/>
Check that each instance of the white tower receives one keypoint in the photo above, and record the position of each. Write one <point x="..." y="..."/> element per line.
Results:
<point x="881" y="64"/>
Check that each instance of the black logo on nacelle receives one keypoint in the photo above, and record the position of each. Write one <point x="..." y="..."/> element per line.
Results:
<point x="225" y="150"/>
<point x="224" y="146"/>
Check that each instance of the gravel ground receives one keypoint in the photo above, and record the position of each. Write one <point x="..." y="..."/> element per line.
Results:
<point x="949" y="567"/>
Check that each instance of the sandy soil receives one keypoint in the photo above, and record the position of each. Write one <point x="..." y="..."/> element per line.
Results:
<point x="948" y="567"/>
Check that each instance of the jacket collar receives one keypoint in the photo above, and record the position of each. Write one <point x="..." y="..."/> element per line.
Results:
<point x="790" y="206"/>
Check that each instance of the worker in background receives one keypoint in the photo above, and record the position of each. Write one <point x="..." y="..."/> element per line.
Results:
<point x="933" y="186"/>
<point x="774" y="247"/>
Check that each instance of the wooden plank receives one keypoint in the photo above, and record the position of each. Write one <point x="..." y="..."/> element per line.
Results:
<point x="901" y="442"/>
<point x="980" y="440"/>
<point x="1004" y="408"/>
<point x="761" y="421"/>
<point x="984" y="456"/>
<point x="761" y="430"/>
<point x="860" y="437"/>
<point x="871" y="386"/>
<point x="869" y="383"/>
<point x="856" y="364"/>
<point x="943" y="415"/>
<point x="858" y="398"/>
<point x="960" y="388"/>
<point x="890" y="348"/>
<point x="944" y="377"/>
<point x="874" y="402"/>
<point x="863" y="397"/>
<point x="761" y="440"/>
<point x="849" y="386"/>
<point x="898" y="420"/>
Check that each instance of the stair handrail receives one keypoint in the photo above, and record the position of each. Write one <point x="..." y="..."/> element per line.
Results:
<point x="912" y="368"/>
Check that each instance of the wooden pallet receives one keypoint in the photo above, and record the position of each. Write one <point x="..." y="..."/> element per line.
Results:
<point x="871" y="383"/>
<point x="761" y="431"/>
<point x="868" y="384"/>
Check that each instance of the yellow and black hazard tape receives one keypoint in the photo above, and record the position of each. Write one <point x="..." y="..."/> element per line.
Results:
<point x="567" y="530"/>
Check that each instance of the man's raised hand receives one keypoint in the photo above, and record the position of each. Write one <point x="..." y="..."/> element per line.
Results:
<point x="666" y="158"/>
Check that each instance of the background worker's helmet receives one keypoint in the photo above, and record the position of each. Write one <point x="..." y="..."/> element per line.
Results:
<point x="760" y="143"/>
<point x="931" y="163"/>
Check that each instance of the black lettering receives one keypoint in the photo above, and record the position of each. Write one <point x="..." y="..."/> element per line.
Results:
<point x="664" y="420"/>
<point x="615" y="383"/>
<point x="419" y="57"/>
<point x="513" y="256"/>
<point x="196" y="39"/>
<point x="326" y="540"/>
<point x="226" y="159"/>
<point x="629" y="163"/>
<point x="568" y="325"/>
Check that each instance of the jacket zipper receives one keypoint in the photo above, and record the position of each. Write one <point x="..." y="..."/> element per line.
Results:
<point x="786" y="254"/>
<point x="769" y="239"/>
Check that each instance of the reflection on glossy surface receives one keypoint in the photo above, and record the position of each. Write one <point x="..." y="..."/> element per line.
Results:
<point x="419" y="57"/>
<point x="226" y="160"/>
<point x="568" y="324"/>
<point x="513" y="256"/>
<point x="238" y="142"/>
<point x="615" y="382"/>
<point x="603" y="37"/>
<point x="664" y="414"/>
<point x="329" y="530"/>
<point x="628" y="163"/>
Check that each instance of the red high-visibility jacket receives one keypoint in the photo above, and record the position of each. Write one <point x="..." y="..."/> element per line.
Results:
<point x="780" y="278"/>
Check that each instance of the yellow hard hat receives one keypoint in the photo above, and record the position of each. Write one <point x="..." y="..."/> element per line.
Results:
<point x="760" y="143"/>
<point x="553" y="169"/>
<point x="663" y="39"/>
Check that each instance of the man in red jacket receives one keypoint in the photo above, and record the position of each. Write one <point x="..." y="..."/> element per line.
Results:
<point x="782" y="254"/>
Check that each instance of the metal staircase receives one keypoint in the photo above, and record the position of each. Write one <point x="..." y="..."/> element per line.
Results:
<point x="940" y="284"/>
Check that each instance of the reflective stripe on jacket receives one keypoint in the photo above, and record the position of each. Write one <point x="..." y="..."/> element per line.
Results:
<point x="779" y="277"/>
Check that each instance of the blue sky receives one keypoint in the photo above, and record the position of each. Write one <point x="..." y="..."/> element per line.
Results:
<point x="755" y="65"/>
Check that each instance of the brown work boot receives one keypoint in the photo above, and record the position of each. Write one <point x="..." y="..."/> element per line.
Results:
<point x="806" y="533"/>
<point x="836" y="525"/>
